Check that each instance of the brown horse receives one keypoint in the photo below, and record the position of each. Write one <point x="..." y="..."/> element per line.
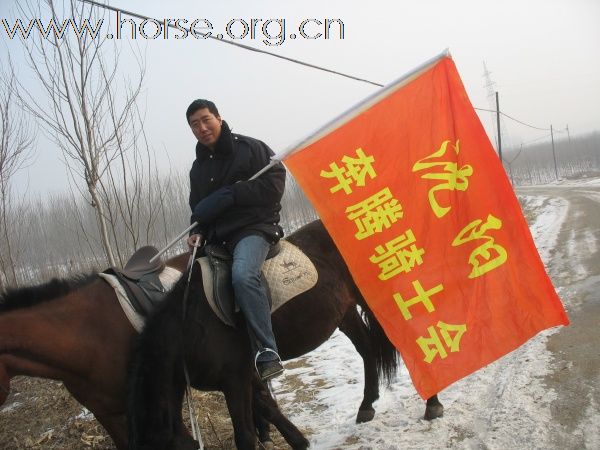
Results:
<point x="213" y="351"/>
<point x="75" y="331"/>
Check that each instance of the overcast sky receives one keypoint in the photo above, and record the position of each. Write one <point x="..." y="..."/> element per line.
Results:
<point x="543" y="55"/>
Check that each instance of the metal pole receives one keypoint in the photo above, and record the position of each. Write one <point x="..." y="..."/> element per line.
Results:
<point x="272" y="163"/>
<point x="498" y="124"/>
<point x="554" y="153"/>
<point x="172" y="243"/>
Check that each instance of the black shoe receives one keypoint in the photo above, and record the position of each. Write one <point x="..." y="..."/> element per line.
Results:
<point x="269" y="369"/>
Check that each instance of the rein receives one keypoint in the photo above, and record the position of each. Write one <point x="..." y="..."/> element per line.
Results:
<point x="188" y="389"/>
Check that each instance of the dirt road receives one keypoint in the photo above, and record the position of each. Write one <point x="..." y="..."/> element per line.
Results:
<point x="575" y="271"/>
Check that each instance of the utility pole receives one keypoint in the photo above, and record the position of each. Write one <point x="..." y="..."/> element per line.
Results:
<point x="498" y="124"/>
<point x="554" y="153"/>
<point x="568" y="134"/>
<point x="489" y="85"/>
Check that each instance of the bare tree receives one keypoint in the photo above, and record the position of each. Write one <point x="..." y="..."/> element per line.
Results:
<point x="16" y="142"/>
<point x="130" y="189"/>
<point x="87" y="108"/>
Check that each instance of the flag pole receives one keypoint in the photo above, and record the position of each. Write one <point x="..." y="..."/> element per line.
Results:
<point x="173" y="242"/>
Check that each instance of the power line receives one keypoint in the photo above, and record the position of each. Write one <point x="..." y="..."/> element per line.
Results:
<point x="512" y="118"/>
<point x="514" y="159"/>
<point x="295" y="61"/>
<point x="537" y="139"/>
<point x="237" y="44"/>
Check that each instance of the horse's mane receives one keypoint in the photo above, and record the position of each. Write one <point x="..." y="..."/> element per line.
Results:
<point x="16" y="298"/>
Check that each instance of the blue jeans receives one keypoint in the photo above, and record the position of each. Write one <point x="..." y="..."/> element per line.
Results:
<point x="250" y="294"/>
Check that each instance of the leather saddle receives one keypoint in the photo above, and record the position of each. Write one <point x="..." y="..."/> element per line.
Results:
<point x="220" y="261"/>
<point x="140" y="280"/>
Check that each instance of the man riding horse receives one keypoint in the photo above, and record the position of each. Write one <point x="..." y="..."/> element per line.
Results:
<point x="240" y="215"/>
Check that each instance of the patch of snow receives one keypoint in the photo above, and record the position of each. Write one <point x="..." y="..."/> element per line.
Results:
<point x="547" y="224"/>
<point x="591" y="427"/>
<point x="594" y="181"/>
<point x="9" y="408"/>
<point x="85" y="414"/>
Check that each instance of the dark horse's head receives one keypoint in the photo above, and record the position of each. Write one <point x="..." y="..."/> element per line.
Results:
<point x="15" y="298"/>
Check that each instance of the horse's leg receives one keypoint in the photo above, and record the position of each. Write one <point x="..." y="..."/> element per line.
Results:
<point x="353" y="327"/>
<point x="263" y="428"/>
<point x="267" y="409"/>
<point x="182" y="439"/>
<point x="433" y="408"/>
<point x="4" y="384"/>
<point x="116" y="427"/>
<point x="110" y="415"/>
<point x="238" y="395"/>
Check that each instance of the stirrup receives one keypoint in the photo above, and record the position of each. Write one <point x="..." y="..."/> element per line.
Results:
<point x="275" y="365"/>
<point x="266" y="350"/>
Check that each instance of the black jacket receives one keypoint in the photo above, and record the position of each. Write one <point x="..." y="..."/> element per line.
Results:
<point x="256" y="203"/>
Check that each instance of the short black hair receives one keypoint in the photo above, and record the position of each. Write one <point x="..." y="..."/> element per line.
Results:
<point x="199" y="104"/>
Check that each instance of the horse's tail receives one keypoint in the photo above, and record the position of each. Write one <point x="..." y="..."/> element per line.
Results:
<point x="386" y="355"/>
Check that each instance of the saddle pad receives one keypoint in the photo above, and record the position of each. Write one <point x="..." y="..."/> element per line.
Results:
<point x="168" y="277"/>
<point x="288" y="274"/>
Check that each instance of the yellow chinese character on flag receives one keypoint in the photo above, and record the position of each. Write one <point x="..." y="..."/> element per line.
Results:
<point x="399" y="255"/>
<point x="422" y="296"/>
<point x="489" y="251"/>
<point x="355" y="171"/>
<point x="432" y="346"/>
<point x="444" y="172"/>
<point x="451" y="176"/>
<point x="377" y="212"/>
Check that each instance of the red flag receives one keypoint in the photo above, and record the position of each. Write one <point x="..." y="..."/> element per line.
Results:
<point x="414" y="196"/>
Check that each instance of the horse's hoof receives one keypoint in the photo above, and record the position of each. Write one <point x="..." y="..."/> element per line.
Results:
<point x="301" y="445"/>
<point x="267" y="445"/>
<point x="365" y="415"/>
<point x="4" y="385"/>
<point x="434" y="411"/>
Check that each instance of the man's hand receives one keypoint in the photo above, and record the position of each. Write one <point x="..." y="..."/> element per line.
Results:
<point x="212" y="206"/>
<point x="195" y="240"/>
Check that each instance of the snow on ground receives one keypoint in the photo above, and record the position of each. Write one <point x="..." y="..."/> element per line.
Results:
<point x="579" y="182"/>
<point x="502" y="406"/>
<point x="550" y="214"/>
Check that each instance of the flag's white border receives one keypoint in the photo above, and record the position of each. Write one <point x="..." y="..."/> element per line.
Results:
<point x="363" y="105"/>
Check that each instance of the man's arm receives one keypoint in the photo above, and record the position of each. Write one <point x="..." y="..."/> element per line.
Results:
<point x="268" y="188"/>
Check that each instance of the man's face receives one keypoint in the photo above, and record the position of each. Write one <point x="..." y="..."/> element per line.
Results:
<point x="206" y="127"/>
